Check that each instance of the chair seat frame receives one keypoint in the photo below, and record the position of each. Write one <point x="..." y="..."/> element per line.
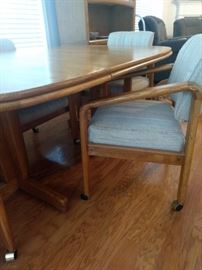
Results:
<point x="182" y="159"/>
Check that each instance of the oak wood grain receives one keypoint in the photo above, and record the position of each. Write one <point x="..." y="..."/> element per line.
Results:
<point x="126" y="225"/>
<point x="5" y="230"/>
<point x="165" y="157"/>
<point x="42" y="75"/>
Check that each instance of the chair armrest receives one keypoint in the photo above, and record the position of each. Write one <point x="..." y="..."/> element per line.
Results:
<point x="175" y="43"/>
<point x="149" y="71"/>
<point x="150" y="92"/>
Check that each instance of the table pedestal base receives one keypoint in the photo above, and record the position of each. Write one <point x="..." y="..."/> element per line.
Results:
<point x="14" y="163"/>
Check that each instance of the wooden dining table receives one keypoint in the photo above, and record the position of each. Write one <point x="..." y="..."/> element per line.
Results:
<point x="33" y="76"/>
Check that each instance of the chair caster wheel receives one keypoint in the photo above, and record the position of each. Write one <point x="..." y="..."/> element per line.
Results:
<point x="176" y="206"/>
<point x="77" y="141"/>
<point x="35" y="130"/>
<point x="10" y="256"/>
<point x="84" y="197"/>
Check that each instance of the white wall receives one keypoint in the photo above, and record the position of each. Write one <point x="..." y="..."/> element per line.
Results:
<point x="195" y="9"/>
<point x="169" y="13"/>
<point x="71" y="21"/>
<point x="187" y="9"/>
<point x="163" y="9"/>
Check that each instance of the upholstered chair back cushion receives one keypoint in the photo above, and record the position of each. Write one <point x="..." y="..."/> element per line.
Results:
<point x="155" y="25"/>
<point x="130" y="39"/>
<point x="187" y="67"/>
<point x="188" y="26"/>
<point x="6" y="45"/>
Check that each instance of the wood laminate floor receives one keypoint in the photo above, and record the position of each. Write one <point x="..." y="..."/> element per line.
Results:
<point x="126" y="225"/>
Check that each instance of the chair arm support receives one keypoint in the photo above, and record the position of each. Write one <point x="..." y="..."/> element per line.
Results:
<point x="175" y="43"/>
<point x="149" y="71"/>
<point x="150" y="92"/>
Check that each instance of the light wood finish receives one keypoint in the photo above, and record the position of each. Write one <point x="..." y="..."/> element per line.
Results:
<point x="98" y="42"/>
<point x="149" y="72"/>
<point x="6" y="164"/>
<point x="126" y="224"/>
<point x="184" y="158"/>
<point x="15" y="165"/>
<point x="9" y="46"/>
<point x="104" y="17"/>
<point x="39" y="76"/>
<point x="189" y="148"/>
<point x="9" y="188"/>
<point x="74" y="106"/>
<point x="7" y="168"/>
<point x="67" y="70"/>
<point x="5" y="231"/>
<point x="119" y="73"/>
<point x="14" y="143"/>
<point x="130" y="153"/>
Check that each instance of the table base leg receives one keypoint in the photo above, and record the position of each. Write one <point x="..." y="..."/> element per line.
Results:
<point x="5" y="230"/>
<point x="16" y="158"/>
<point x="40" y="191"/>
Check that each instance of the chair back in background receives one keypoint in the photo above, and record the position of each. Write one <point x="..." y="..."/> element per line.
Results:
<point x="155" y="25"/>
<point x="187" y="67"/>
<point x="6" y="45"/>
<point x="130" y="39"/>
<point x="187" y="26"/>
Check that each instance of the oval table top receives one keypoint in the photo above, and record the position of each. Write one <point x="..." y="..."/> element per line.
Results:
<point x="32" y="76"/>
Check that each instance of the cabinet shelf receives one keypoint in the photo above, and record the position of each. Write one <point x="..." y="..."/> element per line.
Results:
<point x="106" y="16"/>
<point x="129" y="3"/>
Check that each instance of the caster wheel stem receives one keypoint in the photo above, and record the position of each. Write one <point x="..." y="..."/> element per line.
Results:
<point x="77" y="141"/>
<point x="10" y="256"/>
<point x="84" y="197"/>
<point x="35" y="130"/>
<point x="176" y="206"/>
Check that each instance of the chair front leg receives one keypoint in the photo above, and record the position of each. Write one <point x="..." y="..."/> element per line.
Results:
<point x="189" y="149"/>
<point x="127" y="85"/>
<point x="74" y="106"/>
<point x="84" y="153"/>
<point x="6" y="235"/>
<point x="151" y="75"/>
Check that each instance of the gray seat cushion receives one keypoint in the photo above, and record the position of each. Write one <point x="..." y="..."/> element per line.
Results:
<point x="140" y="124"/>
<point x="33" y="113"/>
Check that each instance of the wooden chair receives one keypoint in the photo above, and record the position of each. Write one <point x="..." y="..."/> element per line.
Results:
<point x="128" y="126"/>
<point x="128" y="39"/>
<point x="6" y="235"/>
